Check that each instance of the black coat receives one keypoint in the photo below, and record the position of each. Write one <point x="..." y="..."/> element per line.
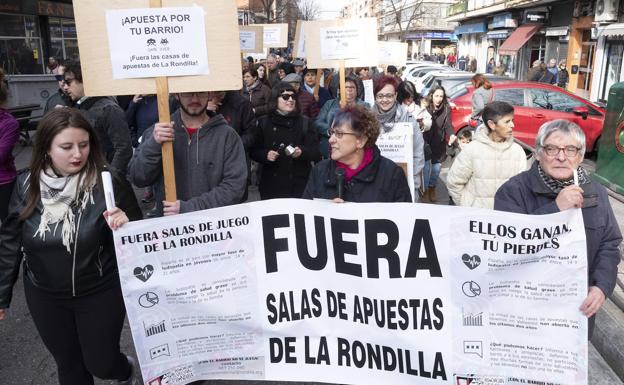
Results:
<point x="380" y="181"/>
<point x="436" y="137"/>
<point x="90" y="267"/>
<point x="526" y="193"/>
<point x="287" y="176"/>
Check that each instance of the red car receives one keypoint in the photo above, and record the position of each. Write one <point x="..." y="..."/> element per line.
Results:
<point x="534" y="104"/>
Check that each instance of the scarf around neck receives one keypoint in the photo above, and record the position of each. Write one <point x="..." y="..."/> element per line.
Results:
<point x="386" y="119"/>
<point x="59" y="195"/>
<point x="253" y="86"/>
<point x="556" y="185"/>
<point x="366" y="160"/>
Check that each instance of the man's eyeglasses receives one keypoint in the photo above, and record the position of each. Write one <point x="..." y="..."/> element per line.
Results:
<point x="68" y="81"/>
<point x="339" y="134"/>
<point x="287" y="97"/>
<point x="568" y="151"/>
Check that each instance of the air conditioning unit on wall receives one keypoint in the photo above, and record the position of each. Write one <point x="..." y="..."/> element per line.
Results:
<point x="607" y="10"/>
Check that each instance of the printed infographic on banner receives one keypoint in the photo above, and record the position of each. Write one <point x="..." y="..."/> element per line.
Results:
<point x="152" y="42"/>
<point x="298" y="290"/>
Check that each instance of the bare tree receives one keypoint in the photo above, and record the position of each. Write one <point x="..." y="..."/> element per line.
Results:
<point x="406" y="15"/>
<point x="309" y="9"/>
<point x="271" y="9"/>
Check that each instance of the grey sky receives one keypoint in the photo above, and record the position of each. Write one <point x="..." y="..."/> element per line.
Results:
<point x="330" y="9"/>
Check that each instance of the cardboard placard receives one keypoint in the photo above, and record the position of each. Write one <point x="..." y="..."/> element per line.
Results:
<point x="392" y="53"/>
<point x="251" y="38"/>
<point x="275" y="35"/>
<point x="366" y="29"/>
<point x="220" y="39"/>
<point x="299" y="46"/>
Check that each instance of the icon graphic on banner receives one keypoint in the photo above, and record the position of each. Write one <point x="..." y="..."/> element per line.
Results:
<point x="148" y="299"/>
<point x="151" y="42"/>
<point x="471" y="319"/>
<point x="158" y="327"/>
<point x="473" y="347"/>
<point x="144" y="273"/>
<point x="472" y="262"/>
<point x="160" y="350"/>
<point x="471" y="289"/>
<point x="164" y="41"/>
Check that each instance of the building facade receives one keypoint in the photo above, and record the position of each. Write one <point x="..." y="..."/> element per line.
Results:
<point x="588" y="35"/>
<point x="31" y="31"/>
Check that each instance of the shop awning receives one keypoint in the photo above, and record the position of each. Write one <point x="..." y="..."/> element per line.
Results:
<point x="518" y="38"/>
<point x="615" y="29"/>
<point x="497" y="34"/>
<point x="465" y="29"/>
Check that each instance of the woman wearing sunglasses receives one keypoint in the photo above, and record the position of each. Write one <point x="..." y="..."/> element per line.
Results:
<point x="285" y="143"/>
<point x="356" y="171"/>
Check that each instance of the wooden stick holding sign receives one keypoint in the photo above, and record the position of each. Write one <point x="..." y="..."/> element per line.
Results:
<point x="172" y="46"/>
<point x="317" y="83"/>
<point x="343" y="86"/>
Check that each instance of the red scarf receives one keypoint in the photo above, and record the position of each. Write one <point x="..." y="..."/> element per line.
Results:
<point x="350" y="172"/>
<point x="191" y="131"/>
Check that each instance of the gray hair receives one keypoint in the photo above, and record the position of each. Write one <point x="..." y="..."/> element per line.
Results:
<point x="564" y="126"/>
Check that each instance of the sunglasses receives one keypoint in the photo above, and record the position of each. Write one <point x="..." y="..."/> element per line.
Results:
<point x="59" y="78"/>
<point x="287" y="97"/>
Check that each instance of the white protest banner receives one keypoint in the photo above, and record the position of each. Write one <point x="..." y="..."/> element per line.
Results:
<point x="297" y="290"/>
<point x="157" y="42"/>
<point x="398" y="146"/>
<point x="339" y="43"/>
<point x="392" y="53"/>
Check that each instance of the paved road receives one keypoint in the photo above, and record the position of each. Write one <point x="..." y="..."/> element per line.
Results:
<point x="25" y="361"/>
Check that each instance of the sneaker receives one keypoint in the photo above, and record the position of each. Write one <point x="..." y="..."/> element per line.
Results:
<point x="148" y="197"/>
<point x="134" y="373"/>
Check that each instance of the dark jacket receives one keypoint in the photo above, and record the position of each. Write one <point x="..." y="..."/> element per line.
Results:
<point x="9" y="135"/>
<point x="547" y="77"/>
<point x="57" y="99"/>
<point x="286" y="177"/>
<point x="239" y="115"/>
<point x="109" y="122"/>
<point x="526" y="193"/>
<point x="259" y="98"/>
<point x="380" y="181"/>
<point x="273" y="77"/>
<point x="48" y="264"/>
<point x="143" y="114"/>
<point x="210" y="167"/>
<point x="534" y="74"/>
<point x="437" y="136"/>
<point x="563" y="78"/>
<point x="307" y="104"/>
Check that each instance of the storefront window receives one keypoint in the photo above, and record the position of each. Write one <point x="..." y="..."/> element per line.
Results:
<point x="64" y="42"/>
<point x="20" y="45"/>
<point x="614" y="66"/>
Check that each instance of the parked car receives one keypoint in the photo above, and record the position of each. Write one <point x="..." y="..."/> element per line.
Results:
<point x="411" y="67"/>
<point x="449" y="79"/>
<point x="419" y="72"/>
<point x="534" y="104"/>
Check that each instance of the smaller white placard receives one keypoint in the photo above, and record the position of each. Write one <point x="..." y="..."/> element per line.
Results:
<point x="247" y="40"/>
<point x="300" y="40"/>
<point x="152" y="42"/>
<point x="272" y="35"/>
<point x="338" y="43"/>
<point x="369" y="96"/>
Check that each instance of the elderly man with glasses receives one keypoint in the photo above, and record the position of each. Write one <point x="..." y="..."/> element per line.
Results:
<point x="210" y="166"/>
<point x="557" y="182"/>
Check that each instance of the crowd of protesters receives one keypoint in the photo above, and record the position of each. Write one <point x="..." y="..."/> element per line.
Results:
<point x="289" y="130"/>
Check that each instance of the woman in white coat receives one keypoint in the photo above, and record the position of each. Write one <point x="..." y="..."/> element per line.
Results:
<point x="488" y="161"/>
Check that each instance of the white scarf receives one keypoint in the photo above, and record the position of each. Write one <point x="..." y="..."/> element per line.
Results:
<point x="58" y="195"/>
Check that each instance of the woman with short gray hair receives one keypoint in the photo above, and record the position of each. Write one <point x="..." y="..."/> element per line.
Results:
<point x="557" y="182"/>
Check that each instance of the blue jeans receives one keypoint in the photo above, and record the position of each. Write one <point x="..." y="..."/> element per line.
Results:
<point x="431" y="172"/>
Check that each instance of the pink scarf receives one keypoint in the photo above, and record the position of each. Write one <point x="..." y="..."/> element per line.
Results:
<point x="349" y="172"/>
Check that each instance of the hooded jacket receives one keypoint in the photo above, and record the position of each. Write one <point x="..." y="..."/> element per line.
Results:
<point x="481" y="168"/>
<point x="210" y="166"/>
<point x="90" y="267"/>
<point x="380" y="181"/>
